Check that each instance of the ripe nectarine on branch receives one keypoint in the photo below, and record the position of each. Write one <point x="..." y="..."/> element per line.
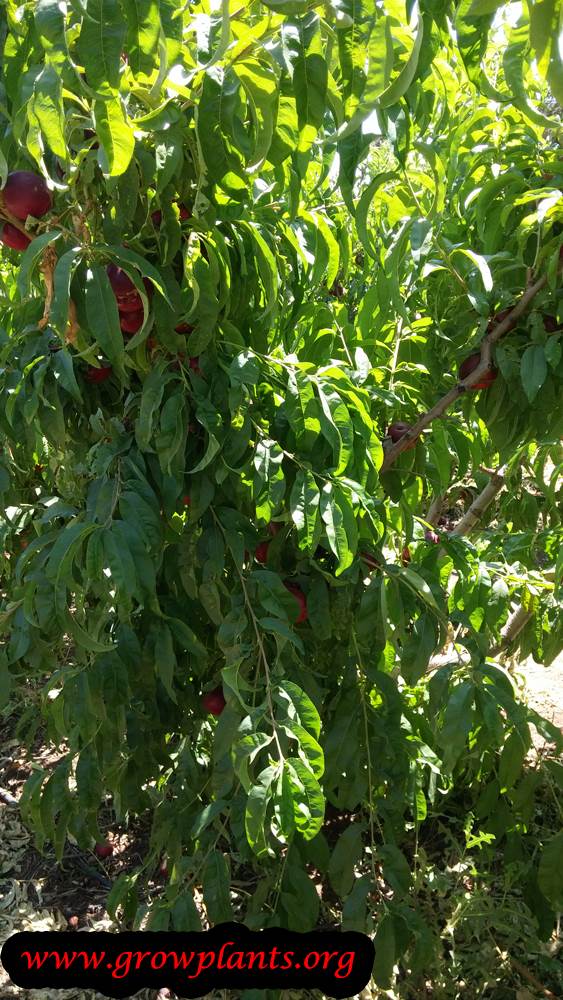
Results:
<point x="299" y="596"/>
<point x="470" y="364"/>
<point x="214" y="701"/>
<point x="14" y="238"/>
<point x="25" y="193"/>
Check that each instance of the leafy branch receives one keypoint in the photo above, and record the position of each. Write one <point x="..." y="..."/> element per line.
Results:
<point x="485" y="364"/>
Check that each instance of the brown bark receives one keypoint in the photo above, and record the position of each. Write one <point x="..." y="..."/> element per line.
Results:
<point x="477" y="509"/>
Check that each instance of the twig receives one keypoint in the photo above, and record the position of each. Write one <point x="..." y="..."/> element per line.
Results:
<point x="8" y="799"/>
<point x="261" y="650"/>
<point x="525" y="973"/>
<point x="435" y="509"/>
<point x="12" y="219"/>
<point x="497" y="331"/>
<point x="477" y="509"/>
<point x="515" y="625"/>
<point x="47" y="268"/>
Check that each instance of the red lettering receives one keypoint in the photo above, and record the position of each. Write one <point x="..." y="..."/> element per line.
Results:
<point x="140" y="956"/>
<point x="287" y="960"/>
<point x="236" y="960"/>
<point x="220" y="964"/>
<point x="181" y="961"/>
<point x="307" y="960"/>
<point x="345" y="963"/>
<point x="37" y="961"/>
<point x="206" y="960"/>
<point x="253" y="955"/>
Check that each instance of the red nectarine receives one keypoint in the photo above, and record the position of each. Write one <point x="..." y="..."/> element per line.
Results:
<point x="26" y="194"/>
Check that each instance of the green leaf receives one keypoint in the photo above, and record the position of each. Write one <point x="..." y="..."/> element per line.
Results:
<point x="62" y="365"/>
<point x="216" y="881"/>
<point x="214" y="116"/>
<point x="384" y="952"/>
<point x="153" y="391"/>
<point x="100" y="43"/>
<point x="30" y="258"/>
<point x="550" y="871"/>
<point x="344" y="858"/>
<point x="65" y="267"/>
<point x="396" y="870"/>
<point x="133" y="263"/>
<point x="299" y="898"/>
<point x="283" y="806"/>
<point x="480" y="7"/>
<point x="310" y="80"/>
<point x="165" y="660"/>
<point x="308" y="801"/>
<point x="480" y="263"/>
<point x="399" y="86"/>
<point x="49" y="111"/>
<point x="337" y="427"/>
<point x="514" y="57"/>
<point x="457" y="722"/>
<point x="340" y="525"/>
<point x="310" y="751"/>
<point x="169" y="154"/>
<point x="3" y="169"/>
<point x="259" y="81"/>
<point x="302" y="707"/>
<point x="256" y="808"/>
<point x="511" y="760"/>
<point x="416" y="583"/>
<point x="116" y="136"/>
<point x="304" y="507"/>
<point x="102" y="313"/>
<point x="269" y="479"/>
<point x="533" y="370"/>
<point x="419" y="648"/>
<point x="143" y="32"/>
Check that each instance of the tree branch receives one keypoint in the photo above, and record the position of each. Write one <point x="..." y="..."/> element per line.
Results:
<point x="443" y="404"/>
<point x="514" y="626"/>
<point x="477" y="509"/>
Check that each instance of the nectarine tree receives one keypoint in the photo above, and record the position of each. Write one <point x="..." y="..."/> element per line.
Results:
<point x="172" y="361"/>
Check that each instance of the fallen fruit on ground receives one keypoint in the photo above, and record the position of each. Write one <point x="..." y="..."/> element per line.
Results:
<point x="26" y="194"/>
<point x="14" y="238"/>
<point x="470" y="364"/>
<point x="214" y="701"/>
<point x="103" y="849"/>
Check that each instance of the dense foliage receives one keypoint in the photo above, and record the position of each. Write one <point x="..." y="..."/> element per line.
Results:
<point x="278" y="229"/>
